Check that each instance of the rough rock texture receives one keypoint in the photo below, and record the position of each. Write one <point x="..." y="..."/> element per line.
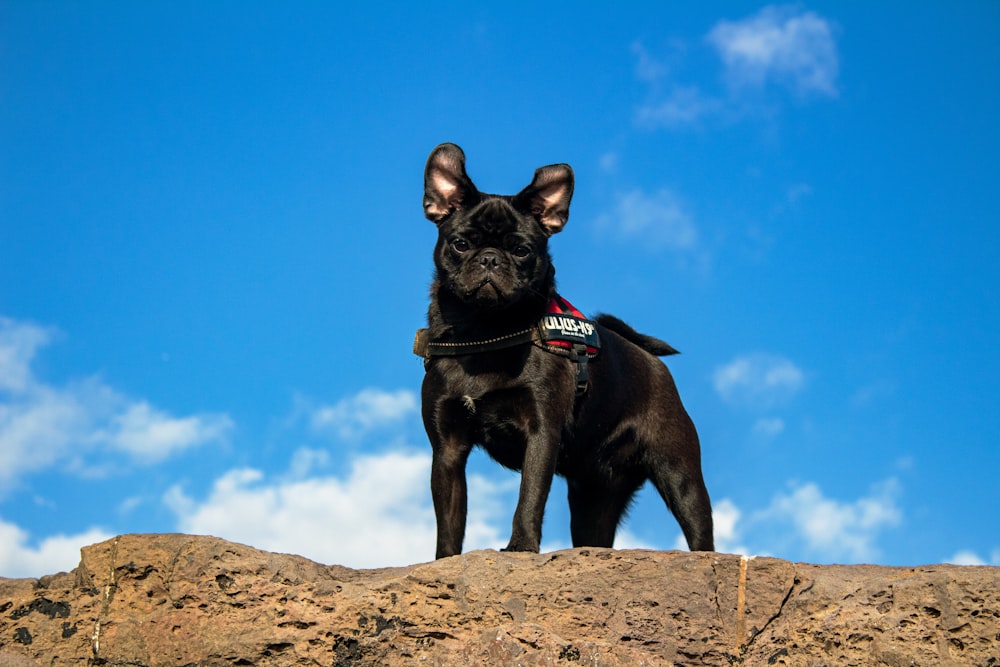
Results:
<point x="183" y="600"/>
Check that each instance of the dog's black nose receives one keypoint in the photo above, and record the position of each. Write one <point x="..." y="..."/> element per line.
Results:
<point x="489" y="260"/>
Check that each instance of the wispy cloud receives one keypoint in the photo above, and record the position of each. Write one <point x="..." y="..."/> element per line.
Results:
<point x="358" y="415"/>
<point x="18" y="343"/>
<point x="780" y="44"/>
<point x="682" y="106"/>
<point x="648" y="67"/>
<point x="80" y="424"/>
<point x="758" y="381"/>
<point x="769" y="427"/>
<point x="872" y="394"/>
<point x="833" y="530"/>
<point x="656" y="220"/>
<point x="378" y="514"/>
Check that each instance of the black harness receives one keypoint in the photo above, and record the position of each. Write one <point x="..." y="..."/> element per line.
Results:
<point x="563" y="330"/>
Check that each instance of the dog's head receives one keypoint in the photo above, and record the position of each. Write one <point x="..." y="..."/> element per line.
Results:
<point x="492" y="250"/>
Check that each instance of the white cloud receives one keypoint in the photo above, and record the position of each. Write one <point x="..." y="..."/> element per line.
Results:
<point x="658" y="220"/>
<point x="42" y="424"/>
<point x="832" y="530"/>
<point x="380" y="514"/>
<point x="781" y="44"/>
<point x="966" y="557"/>
<point x="969" y="557"/>
<point x="305" y="461"/>
<point x="626" y="539"/>
<point x="803" y="524"/>
<point x="38" y="429"/>
<point x="150" y="435"/>
<point x="358" y="415"/>
<point x="57" y="553"/>
<point x="725" y="517"/>
<point x="758" y="380"/>
<point x="491" y="508"/>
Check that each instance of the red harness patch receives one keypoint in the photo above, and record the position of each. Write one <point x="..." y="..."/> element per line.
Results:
<point x="565" y="327"/>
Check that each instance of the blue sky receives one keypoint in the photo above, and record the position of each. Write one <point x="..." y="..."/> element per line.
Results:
<point x="213" y="259"/>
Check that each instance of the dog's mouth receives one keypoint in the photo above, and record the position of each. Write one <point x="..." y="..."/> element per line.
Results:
<point x="487" y="292"/>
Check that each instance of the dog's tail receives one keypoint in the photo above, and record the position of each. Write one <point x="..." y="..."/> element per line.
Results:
<point x="648" y="343"/>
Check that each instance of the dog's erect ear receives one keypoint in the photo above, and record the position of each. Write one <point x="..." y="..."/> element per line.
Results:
<point x="446" y="185"/>
<point x="548" y="196"/>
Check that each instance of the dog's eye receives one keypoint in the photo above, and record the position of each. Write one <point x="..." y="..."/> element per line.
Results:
<point x="522" y="251"/>
<point x="460" y="245"/>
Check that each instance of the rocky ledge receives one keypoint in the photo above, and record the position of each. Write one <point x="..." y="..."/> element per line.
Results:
<point x="183" y="600"/>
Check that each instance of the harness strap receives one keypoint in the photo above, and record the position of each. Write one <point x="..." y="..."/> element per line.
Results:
<point x="582" y="369"/>
<point x="563" y="331"/>
<point x="424" y="347"/>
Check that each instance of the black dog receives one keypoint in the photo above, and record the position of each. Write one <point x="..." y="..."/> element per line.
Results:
<point x="513" y="368"/>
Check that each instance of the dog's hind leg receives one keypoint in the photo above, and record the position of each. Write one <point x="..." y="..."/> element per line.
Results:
<point x="596" y="509"/>
<point x="675" y="470"/>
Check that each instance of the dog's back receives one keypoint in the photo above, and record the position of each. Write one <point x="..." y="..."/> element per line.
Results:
<point x="652" y="345"/>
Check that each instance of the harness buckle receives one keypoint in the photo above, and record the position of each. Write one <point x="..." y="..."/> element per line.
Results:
<point x="579" y="354"/>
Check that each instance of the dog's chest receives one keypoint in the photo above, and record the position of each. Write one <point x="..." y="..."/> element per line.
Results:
<point x="501" y="423"/>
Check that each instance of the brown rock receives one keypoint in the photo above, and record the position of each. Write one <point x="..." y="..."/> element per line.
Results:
<point x="183" y="600"/>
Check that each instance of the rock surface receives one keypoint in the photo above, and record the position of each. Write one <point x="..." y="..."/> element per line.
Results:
<point x="184" y="600"/>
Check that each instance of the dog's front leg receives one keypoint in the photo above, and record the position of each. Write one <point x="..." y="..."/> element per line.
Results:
<point x="449" y="492"/>
<point x="536" y="480"/>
